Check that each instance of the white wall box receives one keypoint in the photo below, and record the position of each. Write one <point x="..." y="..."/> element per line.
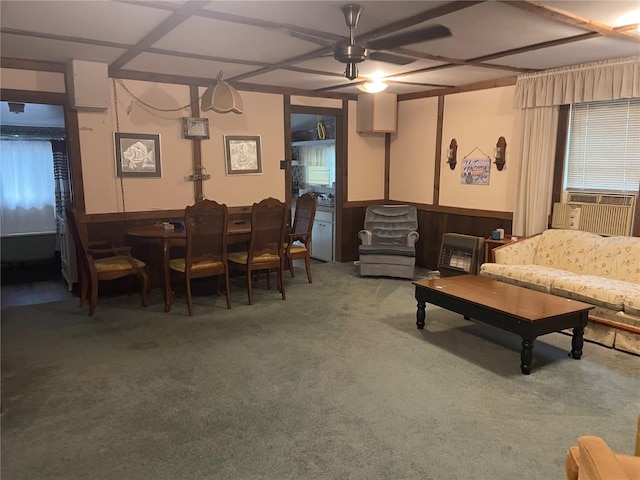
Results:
<point x="87" y="85"/>
<point x="377" y="113"/>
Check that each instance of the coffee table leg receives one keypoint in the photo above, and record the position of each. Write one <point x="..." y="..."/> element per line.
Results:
<point x="526" y="356"/>
<point x="577" y="342"/>
<point x="421" y="314"/>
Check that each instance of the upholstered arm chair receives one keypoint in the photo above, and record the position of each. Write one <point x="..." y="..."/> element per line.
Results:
<point x="389" y="241"/>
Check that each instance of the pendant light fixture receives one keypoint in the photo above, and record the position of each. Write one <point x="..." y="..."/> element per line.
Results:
<point x="222" y="98"/>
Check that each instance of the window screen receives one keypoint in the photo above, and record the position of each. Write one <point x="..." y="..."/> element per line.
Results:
<point x="603" y="148"/>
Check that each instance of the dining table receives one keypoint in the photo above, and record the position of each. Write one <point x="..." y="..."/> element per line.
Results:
<point x="168" y="237"/>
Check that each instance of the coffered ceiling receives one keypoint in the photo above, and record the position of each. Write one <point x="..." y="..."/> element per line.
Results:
<point x="271" y="45"/>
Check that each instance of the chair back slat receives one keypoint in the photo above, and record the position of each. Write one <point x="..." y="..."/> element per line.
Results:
<point x="305" y="214"/>
<point x="206" y="225"/>
<point x="268" y="224"/>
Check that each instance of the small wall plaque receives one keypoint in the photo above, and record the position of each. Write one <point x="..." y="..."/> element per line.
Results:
<point x="195" y="128"/>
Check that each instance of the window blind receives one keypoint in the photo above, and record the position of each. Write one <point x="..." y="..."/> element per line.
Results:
<point x="603" y="149"/>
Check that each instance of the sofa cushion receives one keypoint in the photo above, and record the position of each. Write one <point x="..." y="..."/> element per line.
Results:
<point x="565" y="249"/>
<point x="615" y="257"/>
<point x="529" y="276"/>
<point x="595" y="290"/>
<point x="631" y="303"/>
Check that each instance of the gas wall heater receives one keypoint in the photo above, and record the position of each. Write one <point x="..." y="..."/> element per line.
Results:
<point x="460" y="254"/>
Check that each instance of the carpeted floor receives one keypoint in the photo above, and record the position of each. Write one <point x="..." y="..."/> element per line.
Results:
<point x="335" y="382"/>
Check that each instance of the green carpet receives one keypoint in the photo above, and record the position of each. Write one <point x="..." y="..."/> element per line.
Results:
<point x="335" y="382"/>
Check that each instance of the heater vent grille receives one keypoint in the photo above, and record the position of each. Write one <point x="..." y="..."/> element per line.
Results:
<point x="459" y="254"/>
<point x="607" y="215"/>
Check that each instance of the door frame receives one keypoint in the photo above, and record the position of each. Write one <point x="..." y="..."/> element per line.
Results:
<point x="341" y="116"/>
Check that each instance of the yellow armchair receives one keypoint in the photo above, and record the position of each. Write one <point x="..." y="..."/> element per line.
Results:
<point x="592" y="459"/>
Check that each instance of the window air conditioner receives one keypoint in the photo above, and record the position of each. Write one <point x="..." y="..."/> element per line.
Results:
<point x="460" y="254"/>
<point x="604" y="214"/>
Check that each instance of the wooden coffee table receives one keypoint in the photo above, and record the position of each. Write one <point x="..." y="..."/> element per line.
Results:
<point x="525" y="312"/>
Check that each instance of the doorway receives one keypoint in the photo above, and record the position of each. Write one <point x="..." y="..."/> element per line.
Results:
<point x="35" y="169"/>
<point x="314" y="170"/>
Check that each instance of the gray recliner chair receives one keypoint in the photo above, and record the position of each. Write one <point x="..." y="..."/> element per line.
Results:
<point x="389" y="241"/>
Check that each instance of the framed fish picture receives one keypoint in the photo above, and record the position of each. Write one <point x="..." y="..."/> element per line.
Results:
<point x="137" y="155"/>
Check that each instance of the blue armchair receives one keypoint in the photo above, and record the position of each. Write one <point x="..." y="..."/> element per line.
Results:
<point x="389" y="241"/>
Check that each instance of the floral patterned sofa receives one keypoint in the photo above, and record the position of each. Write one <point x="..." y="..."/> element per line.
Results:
<point x="601" y="271"/>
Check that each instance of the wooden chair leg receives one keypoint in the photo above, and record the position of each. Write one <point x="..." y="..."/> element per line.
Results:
<point x="281" y="281"/>
<point x="293" y="273"/>
<point x="227" y="289"/>
<point x="94" y="296"/>
<point x="307" y="264"/>
<point x="145" y="287"/>
<point x="249" y="291"/>
<point x="189" y="300"/>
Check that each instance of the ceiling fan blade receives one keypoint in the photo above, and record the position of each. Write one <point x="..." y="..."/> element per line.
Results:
<point x="390" y="58"/>
<point x="417" y="36"/>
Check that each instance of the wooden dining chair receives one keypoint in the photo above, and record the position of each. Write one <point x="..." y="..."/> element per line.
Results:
<point x="206" y="225"/>
<point x="98" y="264"/>
<point x="298" y="244"/>
<point x="266" y="246"/>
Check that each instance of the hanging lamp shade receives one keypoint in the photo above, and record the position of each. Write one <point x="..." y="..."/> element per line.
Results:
<point x="222" y="98"/>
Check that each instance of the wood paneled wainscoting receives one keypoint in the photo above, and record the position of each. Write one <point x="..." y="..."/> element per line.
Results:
<point x="433" y="223"/>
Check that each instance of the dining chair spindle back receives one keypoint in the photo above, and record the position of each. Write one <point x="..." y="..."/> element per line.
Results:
<point x="266" y="246"/>
<point x="298" y="244"/>
<point x="206" y="225"/>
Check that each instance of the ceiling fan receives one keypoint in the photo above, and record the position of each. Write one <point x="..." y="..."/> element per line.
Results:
<point x="353" y="53"/>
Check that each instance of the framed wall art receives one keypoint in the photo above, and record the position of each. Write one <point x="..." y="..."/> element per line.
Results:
<point x="242" y="154"/>
<point x="137" y="155"/>
<point x="475" y="171"/>
<point x="195" y="128"/>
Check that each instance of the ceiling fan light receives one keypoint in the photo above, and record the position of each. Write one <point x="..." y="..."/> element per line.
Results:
<point x="372" y="87"/>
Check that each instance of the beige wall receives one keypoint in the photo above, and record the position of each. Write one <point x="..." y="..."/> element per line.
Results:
<point x="366" y="162"/>
<point x="413" y="149"/>
<point x="476" y="120"/>
<point x="264" y="116"/>
<point x="16" y="79"/>
<point x="97" y="147"/>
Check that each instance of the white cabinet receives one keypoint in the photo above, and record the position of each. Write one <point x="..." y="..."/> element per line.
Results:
<point x="68" y="259"/>
<point x="322" y="236"/>
<point x="377" y="113"/>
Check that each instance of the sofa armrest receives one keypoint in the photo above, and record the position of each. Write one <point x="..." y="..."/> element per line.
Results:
<point x="365" y="237"/>
<point x="596" y="461"/>
<point x="521" y="252"/>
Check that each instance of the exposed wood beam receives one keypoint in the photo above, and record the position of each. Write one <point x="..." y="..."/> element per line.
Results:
<point x="530" y="48"/>
<point x="156" y="34"/>
<point x="36" y="65"/>
<point x="419" y="18"/>
<point x="65" y="38"/>
<point x="498" y="82"/>
<point x="571" y="19"/>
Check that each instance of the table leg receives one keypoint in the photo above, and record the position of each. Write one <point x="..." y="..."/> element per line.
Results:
<point x="421" y="314"/>
<point x="577" y="342"/>
<point x="526" y="356"/>
<point x="168" y="296"/>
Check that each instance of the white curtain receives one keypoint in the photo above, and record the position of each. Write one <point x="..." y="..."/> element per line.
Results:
<point x="608" y="80"/>
<point x="27" y="187"/>
<point x="318" y="156"/>
<point x="535" y="175"/>
<point x="539" y="95"/>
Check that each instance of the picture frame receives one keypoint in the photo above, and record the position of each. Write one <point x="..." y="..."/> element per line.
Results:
<point x="138" y="155"/>
<point x="195" y="128"/>
<point x="475" y="171"/>
<point x="242" y="154"/>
